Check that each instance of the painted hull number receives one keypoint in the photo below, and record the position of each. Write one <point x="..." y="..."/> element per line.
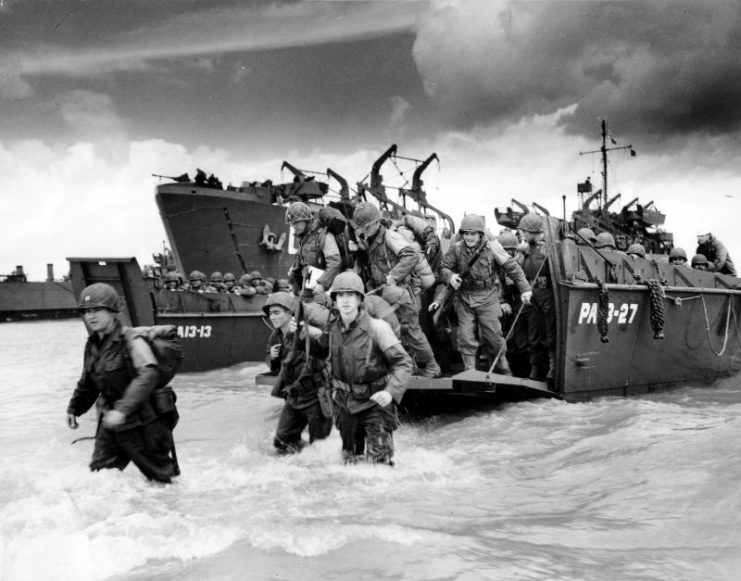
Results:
<point x="623" y="313"/>
<point x="191" y="331"/>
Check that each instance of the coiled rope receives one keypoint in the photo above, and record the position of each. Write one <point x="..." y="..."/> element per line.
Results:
<point x="656" y="298"/>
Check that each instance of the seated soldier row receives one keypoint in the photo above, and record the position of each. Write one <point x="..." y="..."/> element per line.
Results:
<point x="248" y="284"/>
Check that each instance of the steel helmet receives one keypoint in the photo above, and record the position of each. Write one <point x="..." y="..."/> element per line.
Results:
<point x="197" y="275"/>
<point x="216" y="277"/>
<point x="637" y="249"/>
<point x="99" y="295"/>
<point x="229" y="277"/>
<point x="298" y="211"/>
<point x="508" y="240"/>
<point x="698" y="259"/>
<point x="347" y="282"/>
<point x="280" y="299"/>
<point x="587" y="234"/>
<point x="245" y="279"/>
<point x="605" y="240"/>
<point x="677" y="252"/>
<point x="283" y="284"/>
<point x="255" y="274"/>
<point x="365" y="214"/>
<point x="532" y="223"/>
<point x="172" y="276"/>
<point x="472" y="223"/>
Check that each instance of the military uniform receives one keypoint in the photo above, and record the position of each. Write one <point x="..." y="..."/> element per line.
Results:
<point x="317" y="248"/>
<point x="366" y="357"/>
<point x="124" y="381"/>
<point x="478" y="298"/>
<point x="717" y="253"/>
<point x="540" y="315"/>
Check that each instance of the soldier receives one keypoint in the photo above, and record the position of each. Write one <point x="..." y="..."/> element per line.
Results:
<point x="316" y="247"/>
<point x="541" y="314"/>
<point x="518" y="343"/>
<point x="230" y="282"/>
<point x="715" y="252"/>
<point x="367" y="393"/>
<point x="304" y="376"/>
<point x="197" y="283"/>
<point x="121" y="379"/>
<point x="217" y="282"/>
<point x="606" y="242"/>
<point x="471" y="267"/>
<point x="173" y="282"/>
<point x="392" y="260"/>
<point x="700" y="262"/>
<point x="260" y="285"/>
<point x="283" y="285"/>
<point x="678" y="257"/>
<point x="585" y="236"/>
<point x="636" y="251"/>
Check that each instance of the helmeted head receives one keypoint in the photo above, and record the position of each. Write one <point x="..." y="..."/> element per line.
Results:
<point x="531" y="223"/>
<point x="472" y="223"/>
<point x="197" y="279"/>
<point x="605" y="240"/>
<point x="280" y="299"/>
<point x="256" y="277"/>
<point x="508" y="240"/>
<point x="677" y="255"/>
<point x="297" y="212"/>
<point x="216" y="278"/>
<point x="99" y="296"/>
<point x="283" y="284"/>
<point x="700" y="262"/>
<point x="347" y="282"/>
<point x="172" y="280"/>
<point x="365" y="220"/>
<point x="585" y="234"/>
<point x="229" y="280"/>
<point x="703" y="235"/>
<point x="637" y="250"/>
<point x="245" y="280"/>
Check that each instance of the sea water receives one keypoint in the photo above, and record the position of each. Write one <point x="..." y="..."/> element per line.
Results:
<point x="642" y="488"/>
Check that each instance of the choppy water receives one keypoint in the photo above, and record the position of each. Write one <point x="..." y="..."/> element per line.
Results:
<point x="645" y="488"/>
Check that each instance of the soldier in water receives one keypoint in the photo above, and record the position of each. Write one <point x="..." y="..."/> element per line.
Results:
<point x="121" y="377"/>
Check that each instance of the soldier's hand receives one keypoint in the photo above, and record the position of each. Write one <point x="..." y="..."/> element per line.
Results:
<point x="455" y="281"/>
<point x="318" y="288"/>
<point x="314" y="332"/>
<point x="506" y="309"/>
<point x="72" y="422"/>
<point x="390" y="281"/>
<point x="352" y="246"/>
<point x="433" y="307"/>
<point x="293" y="325"/>
<point x="382" y="398"/>
<point x="275" y="352"/>
<point x="525" y="297"/>
<point x="113" y="418"/>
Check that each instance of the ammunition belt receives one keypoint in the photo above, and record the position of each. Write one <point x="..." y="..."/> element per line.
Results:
<point x="469" y="284"/>
<point x="361" y="390"/>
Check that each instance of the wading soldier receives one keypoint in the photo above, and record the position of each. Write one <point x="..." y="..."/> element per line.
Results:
<point x="316" y="247"/>
<point x="303" y="378"/>
<point x="370" y="371"/>
<point x="122" y="379"/>
<point x="392" y="261"/>
<point x="471" y="268"/>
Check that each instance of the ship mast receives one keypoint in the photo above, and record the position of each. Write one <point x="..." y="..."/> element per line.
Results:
<point x="603" y="151"/>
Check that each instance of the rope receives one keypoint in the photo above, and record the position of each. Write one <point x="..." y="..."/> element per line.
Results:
<point x="656" y="302"/>
<point x="707" y="326"/>
<point x="603" y="311"/>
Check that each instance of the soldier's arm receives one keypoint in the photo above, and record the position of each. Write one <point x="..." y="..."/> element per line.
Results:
<point x="83" y="397"/>
<point x="406" y="254"/>
<point x="510" y="266"/>
<point x="145" y="380"/>
<point x="332" y="261"/>
<point x="721" y="255"/>
<point x="398" y="360"/>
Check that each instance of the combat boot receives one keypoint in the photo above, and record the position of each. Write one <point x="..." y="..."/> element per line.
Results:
<point x="469" y="361"/>
<point x="502" y="366"/>
<point x="536" y="367"/>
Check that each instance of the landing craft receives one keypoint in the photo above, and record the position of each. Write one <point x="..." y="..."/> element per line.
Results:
<point x="625" y="325"/>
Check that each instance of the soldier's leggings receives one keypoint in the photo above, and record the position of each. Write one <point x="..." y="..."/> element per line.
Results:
<point x="293" y="421"/>
<point x="376" y="425"/>
<point x="148" y="447"/>
<point x="490" y="329"/>
<point x="413" y="339"/>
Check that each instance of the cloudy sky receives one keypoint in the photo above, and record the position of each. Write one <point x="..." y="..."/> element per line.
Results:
<point x="97" y="95"/>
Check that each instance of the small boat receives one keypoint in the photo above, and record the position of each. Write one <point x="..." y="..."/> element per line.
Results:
<point x="24" y="300"/>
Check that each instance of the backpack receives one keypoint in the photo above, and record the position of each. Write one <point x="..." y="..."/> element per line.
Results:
<point x="168" y="351"/>
<point x="336" y="224"/>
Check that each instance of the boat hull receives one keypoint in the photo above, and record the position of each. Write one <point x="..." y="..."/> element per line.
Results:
<point x="32" y="301"/>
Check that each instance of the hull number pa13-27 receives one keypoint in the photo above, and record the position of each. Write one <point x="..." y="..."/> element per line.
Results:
<point x="624" y="313"/>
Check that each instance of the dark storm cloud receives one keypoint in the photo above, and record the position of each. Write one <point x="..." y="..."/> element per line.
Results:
<point x="661" y="68"/>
